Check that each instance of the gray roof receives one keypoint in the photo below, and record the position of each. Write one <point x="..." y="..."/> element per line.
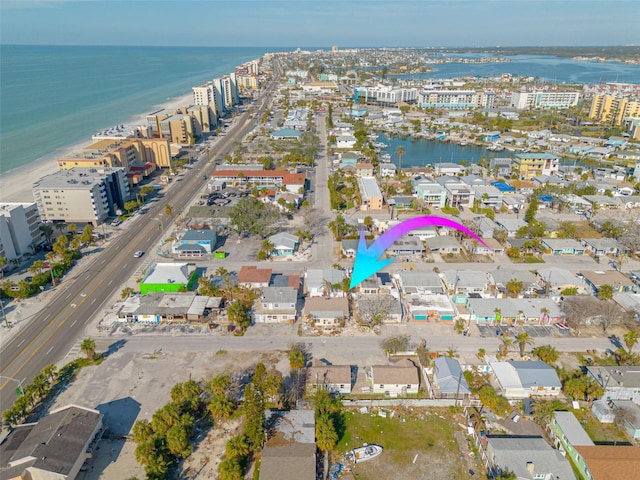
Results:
<point x="57" y="441"/>
<point x="78" y="178"/>
<point x="405" y="244"/>
<point x="279" y="295"/>
<point x="449" y="376"/>
<point x="466" y="278"/>
<point x="572" y="429"/>
<point x="170" y="273"/>
<point x="503" y="276"/>
<point x="517" y="453"/>
<point x="316" y="277"/>
<point x="199" y="235"/>
<point x="421" y="280"/>
<point x="284" y="239"/>
<point x="536" y="373"/>
<point x="615" y="377"/>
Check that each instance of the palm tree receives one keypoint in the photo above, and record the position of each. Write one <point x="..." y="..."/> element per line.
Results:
<point x="482" y="353"/>
<point x="3" y="263"/>
<point x="221" y="272"/>
<point x="497" y="314"/>
<point x="630" y="339"/>
<point x="544" y="312"/>
<point x="522" y="340"/>
<point x="37" y="267"/>
<point x="326" y="435"/>
<point x="237" y="447"/>
<point x="47" y="231"/>
<point x="88" y="346"/>
<point x="400" y="151"/>
<point x="514" y="286"/>
<point x="168" y="210"/>
<point x="505" y="346"/>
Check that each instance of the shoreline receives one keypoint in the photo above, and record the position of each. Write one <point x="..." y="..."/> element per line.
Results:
<point x="16" y="184"/>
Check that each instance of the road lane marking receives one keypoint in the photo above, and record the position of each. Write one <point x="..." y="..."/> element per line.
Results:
<point x="49" y="351"/>
<point x="22" y="341"/>
<point x="150" y="228"/>
<point x="74" y="322"/>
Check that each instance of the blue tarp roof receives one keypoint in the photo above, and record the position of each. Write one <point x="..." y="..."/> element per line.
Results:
<point x="503" y="187"/>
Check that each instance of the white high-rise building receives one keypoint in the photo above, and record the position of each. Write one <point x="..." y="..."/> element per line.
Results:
<point x="19" y="229"/>
<point x="542" y="99"/>
<point x="209" y="95"/>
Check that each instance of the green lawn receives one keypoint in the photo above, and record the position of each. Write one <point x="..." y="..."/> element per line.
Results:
<point x="403" y="437"/>
<point x="600" y="432"/>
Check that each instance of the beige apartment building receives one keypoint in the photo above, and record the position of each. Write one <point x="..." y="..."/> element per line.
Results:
<point x="178" y="128"/>
<point x="124" y="153"/>
<point x="370" y="193"/>
<point x="248" y="82"/>
<point x="81" y="195"/>
<point x="613" y="109"/>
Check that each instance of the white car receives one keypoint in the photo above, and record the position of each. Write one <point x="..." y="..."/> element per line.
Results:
<point x="562" y="326"/>
<point x="138" y="254"/>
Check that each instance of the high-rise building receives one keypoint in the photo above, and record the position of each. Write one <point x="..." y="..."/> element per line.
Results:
<point x="19" y="229"/>
<point x="455" y="99"/>
<point x="123" y="153"/>
<point x="613" y="108"/>
<point x="179" y="128"/>
<point x="544" y="99"/>
<point x="81" y="195"/>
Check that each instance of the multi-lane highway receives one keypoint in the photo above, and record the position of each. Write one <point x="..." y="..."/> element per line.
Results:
<point x="51" y="333"/>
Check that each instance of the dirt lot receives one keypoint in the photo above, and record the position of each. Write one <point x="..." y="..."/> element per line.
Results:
<point x="417" y="444"/>
<point x="128" y="387"/>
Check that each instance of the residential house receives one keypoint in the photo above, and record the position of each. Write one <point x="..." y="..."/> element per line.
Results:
<point x="254" y="277"/>
<point x="501" y="277"/>
<point x="402" y="201"/>
<point x="521" y="379"/>
<point x="431" y="193"/>
<point x="448" y="379"/>
<point x="529" y="458"/>
<point x="554" y="280"/>
<point x="320" y="283"/>
<point x="443" y="245"/>
<point x="396" y="380"/>
<point x="510" y="225"/>
<point x="567" y="435"/>
<point x="349" y="247"/>
<point x="448" y="168"/>
<point x="606" y="462"/>
<point x="602" y="201"/>
<point x="562" y="246"/>
<point x="484" y="227"/>
<point x="463" y="283"/>
<point x="195" y="243"/>
<point x="459" y="194"/>
<point x="169" y="277"/>
<point x="387" y="169"/>
<point x="419" y="282"/>
<point x="364" y="169"/>
<point x="379" y="283"/>
<point x="427" y="306"/>
<point x="501" y="167"/>
<point x="629" y="302"/>
<point x="423" y="233"/>
<point x="598" y="278"/>
<point x="379" y="308"/>
<point x="276" y="305"/>
<point x="284" y="244"/>
<point x="406" y="246"/>
<point x="619" y="382"/>
<point x="629" y="414"/>
<point x="53" y="448"/>
<point x="293" y="182"/>
<point x="491" y="246"/>
<point x="336" y="379"/>
<point x="514" y="202"/>
<point x="603" y="246"/>
<point x="346" y="141"/>
<point x="488" y="196"/>
<point x="291" y="451"/>
<point x="327" y="313"/>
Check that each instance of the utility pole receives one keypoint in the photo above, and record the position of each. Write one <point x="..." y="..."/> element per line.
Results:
<point x="4" y="315"/>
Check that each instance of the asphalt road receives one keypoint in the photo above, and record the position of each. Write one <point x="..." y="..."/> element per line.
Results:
<point x="50" y="334"/>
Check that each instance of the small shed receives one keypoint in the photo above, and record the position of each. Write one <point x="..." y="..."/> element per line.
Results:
<point x="602" y="411"/>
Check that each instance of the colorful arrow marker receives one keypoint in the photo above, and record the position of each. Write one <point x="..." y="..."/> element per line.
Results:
<point x="367" y="263"/>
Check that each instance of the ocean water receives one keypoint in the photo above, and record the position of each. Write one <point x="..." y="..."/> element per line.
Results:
<point x="52" y="96"/>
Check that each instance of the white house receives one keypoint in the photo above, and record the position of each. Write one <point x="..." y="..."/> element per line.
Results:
<point x="396" y="380"/>
<point x="283" y="244"/>
<point x="276" y="305"/>
<point x="518" y="380"/>
<point x="346" y="141"/>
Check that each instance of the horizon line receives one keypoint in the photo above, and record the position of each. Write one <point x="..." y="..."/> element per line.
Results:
<point x="322" y="47"/>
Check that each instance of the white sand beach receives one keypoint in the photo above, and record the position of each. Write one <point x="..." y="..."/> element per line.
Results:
<point x="16" y="184"/>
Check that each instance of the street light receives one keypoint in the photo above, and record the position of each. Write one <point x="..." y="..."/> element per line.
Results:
<point x="20" y="389"/>
<point x="4" y="315"/>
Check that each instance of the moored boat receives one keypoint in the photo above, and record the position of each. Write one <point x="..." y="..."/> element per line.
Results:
<point x="366" y="452"/>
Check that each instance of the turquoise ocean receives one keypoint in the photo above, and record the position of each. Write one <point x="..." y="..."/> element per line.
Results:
<point x="55" y="96"/>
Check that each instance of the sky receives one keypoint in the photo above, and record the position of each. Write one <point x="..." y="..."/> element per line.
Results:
<point x="321" y="23"/>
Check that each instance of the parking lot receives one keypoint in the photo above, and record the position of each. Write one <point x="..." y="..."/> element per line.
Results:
<point x="535" y="331"/>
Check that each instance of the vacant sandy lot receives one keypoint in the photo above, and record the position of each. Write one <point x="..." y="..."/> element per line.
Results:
<point x="127" y="387"/>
